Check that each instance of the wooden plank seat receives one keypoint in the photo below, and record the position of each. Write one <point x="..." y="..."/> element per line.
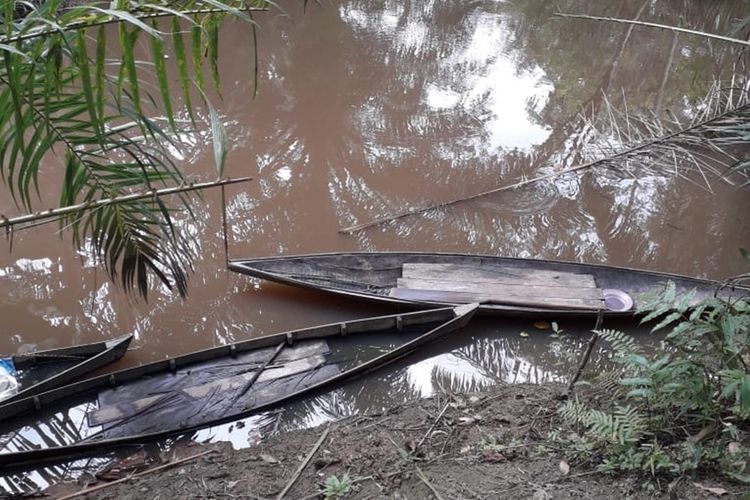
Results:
<point x="457" y="284"/>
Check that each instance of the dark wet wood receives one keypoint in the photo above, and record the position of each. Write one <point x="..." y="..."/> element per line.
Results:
<point x="196" y="387"/>
<point x="182" y="412"/>
<point x="90" y="357"/>
<point x="372" y="275"/>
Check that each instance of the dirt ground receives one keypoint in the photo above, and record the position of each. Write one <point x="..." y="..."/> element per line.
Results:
<point x="477" y="446"/>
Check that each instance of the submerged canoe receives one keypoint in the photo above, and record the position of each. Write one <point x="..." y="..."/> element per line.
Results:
<point x="26" y="375"/>
<point x="501" y="284"/>
<point x="210" y="387"/>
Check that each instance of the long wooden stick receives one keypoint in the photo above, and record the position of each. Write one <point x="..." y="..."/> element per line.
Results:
<point x="526" y="182"/>
<point x="304" y="464"/>
<point x="133" y="476"/>
<point x="676" y="29"/>
<point x="427" y="483"/>
<point x="56" y="212"/>
<point x="586" y="355"/>
<point x="255" y="376"/>
<point x="224" y="225"/>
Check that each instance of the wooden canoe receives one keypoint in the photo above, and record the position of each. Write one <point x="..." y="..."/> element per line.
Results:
<point x="41" y="371"/>
<point x="213" y="386"/>
<point x="511" y="286"/>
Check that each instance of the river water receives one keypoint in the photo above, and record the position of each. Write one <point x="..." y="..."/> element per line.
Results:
<point x="365" y="109"/>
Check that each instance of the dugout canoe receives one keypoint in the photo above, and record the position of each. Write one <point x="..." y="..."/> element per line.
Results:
<point x="210" y="387"/>
<point x="511" y="286"/>
<point x="26" y="375"/>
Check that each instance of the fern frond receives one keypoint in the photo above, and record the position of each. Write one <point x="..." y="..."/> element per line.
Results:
<point x="622" y="344"/>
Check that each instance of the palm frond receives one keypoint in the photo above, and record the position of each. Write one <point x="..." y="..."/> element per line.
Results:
<point x="57" y="96"/>
<point x="710" y="141"/>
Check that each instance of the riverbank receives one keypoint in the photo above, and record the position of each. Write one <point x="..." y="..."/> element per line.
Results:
<point x="479" y="446"/>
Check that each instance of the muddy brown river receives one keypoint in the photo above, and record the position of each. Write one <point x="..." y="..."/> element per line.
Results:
<point x="371" y="108"/>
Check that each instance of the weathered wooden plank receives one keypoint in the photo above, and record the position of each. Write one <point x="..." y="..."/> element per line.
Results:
<point x="207" y="371"/>
<point x="486" y="287"/>
<point x="205" y="391"/>
<point x="118" y="412"/>
<point x="448" y="297"/>
<point x="497" y="274"/>
<point x="270" y="373"/>
<point x="182" y="411"/>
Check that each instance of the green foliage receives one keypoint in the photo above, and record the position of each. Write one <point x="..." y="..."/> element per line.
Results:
<point x="61" y="98"/>
<point x="684" y="407"/>
<point x="335" y="488"/>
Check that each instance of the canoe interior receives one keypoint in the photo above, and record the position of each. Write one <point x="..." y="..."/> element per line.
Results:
<point x="216" y="385"/>
<point x="376" y="275"/>
<point x="44" y="370"/>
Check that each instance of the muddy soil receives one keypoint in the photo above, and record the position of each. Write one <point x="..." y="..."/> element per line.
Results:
<point x="475" y="446"/>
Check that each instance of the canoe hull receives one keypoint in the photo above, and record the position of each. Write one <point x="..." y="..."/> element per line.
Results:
<point x="372" y="275"/>
<point x="93" y="356"/>
<point x="436" y="322"/>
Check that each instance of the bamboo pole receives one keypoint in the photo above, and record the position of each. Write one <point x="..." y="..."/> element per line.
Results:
<point x="659" y="26"/>
<point x="584" y="166"/>
<point x="56" y="212"/>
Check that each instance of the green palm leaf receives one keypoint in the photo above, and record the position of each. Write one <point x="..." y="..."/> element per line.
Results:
<point x="57" y="94"/>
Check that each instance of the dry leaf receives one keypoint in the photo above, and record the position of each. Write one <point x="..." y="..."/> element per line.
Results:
<point x="716" y="491"/>
<point x="542" y="325"/>
<point x="470" y="420"/>
<point x="564" y="467"/>
<point x="268" y="459"/>
<point x="524" y="334"/>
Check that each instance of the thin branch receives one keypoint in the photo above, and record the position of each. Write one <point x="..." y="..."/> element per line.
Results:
<point x="92" y="205"/>
<point x="656" y="25"/>
<point x="587" y="354"/>
<point x="160" y="468"/>
<point x="304" y="464"/>
<point x="427" y="483"/>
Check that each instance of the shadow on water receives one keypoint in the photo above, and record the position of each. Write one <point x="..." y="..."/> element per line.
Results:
<point x="486" y="353"/>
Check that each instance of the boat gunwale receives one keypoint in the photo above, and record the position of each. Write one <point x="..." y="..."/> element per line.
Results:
<point x="461" y="315"/>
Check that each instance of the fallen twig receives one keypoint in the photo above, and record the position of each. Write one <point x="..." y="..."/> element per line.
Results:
<point x="440" y="415"/>
<point x="304" y="464"/>
<point x="427" y="483"/>
<point x="134" y="476"/>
